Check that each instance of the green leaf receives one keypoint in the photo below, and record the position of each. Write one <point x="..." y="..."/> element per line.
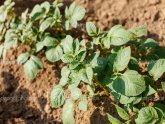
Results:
<point x="46" y="5"/>
<point x="74" y="78"/>
<point x="30" y="69"/>
<point x="92" y="29"/>
<point x="156" y="69"/>
<point x="163" y="86"/>
<point x="23" y="58"/>
<point x="57" y="96"/>
<point x="139" y="31"/>
<point x="151" y="88"/>
<point x="94" y="59"/>
<point x="87" y="75"/>
<point x="76" y="46"/>
<point x="81" y="55"/>
<point x="65" y="72"/>
<point x="106" y="42"/>
<point x="37" y="13"/>
<point x="131" y="83"/>
<point x="122" y="113"/>
<point x="78" y="12"/>
<point x="37" y="61"/>
<point x="54" y="54"/>
<point x="122" y="59"/>
<point x="73" y="14"/>
<point x="125" y="99"/>
<point x="67" y="58"/>
<point x="50" y="41"/>
<point x="91" y="90"/>
<point x="118" y="35"/>
<point x="46" y="24"/>
<point x="147" y="115"/>
<point x="113" y="120"/>
<point x="39" y="46"/>
<point x="68" y="44"/>
<point x="75" y="92"/>
<point x="68" y="113"/>
<point x="83" y="104"/>
<point x="151" y="43"/>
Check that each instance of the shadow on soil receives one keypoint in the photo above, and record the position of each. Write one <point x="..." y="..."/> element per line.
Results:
<point x="14" y="104"/>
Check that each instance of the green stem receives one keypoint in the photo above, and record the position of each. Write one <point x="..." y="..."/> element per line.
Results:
<point x="101" y="85"/>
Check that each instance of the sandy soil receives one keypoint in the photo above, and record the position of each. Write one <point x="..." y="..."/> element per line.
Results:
<point x="31" y="104"/>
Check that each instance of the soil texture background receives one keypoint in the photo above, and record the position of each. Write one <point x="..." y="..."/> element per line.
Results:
<point x="27" y="102"/>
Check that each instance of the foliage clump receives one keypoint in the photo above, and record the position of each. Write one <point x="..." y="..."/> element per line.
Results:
<point x="110" y="60"/>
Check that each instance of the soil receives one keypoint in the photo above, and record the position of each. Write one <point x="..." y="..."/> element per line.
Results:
<point x="27" y="102"/>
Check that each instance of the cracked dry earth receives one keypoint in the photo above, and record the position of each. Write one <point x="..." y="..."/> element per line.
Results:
<point x="30" y="102"/>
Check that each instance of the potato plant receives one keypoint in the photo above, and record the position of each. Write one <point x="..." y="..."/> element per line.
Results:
<point x="110" y="60"/>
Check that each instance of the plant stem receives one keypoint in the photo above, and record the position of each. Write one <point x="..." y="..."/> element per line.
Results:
<point x="101" y="85"/>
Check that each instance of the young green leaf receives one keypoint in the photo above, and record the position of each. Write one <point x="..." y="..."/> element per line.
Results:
<point x="57" y="96"/>
<point x="94" y="59"/>
<point x="37" y="61"/>
<point x="163" y="86"/>
<point x="139" y="31"/>
<point x="50" y="41"/>
<point x="23" y="58"/>
<point x="54" y="54"/>
<point x="118" y="35"/>
<point x="46" y="23"/>
<point x="73" y="15"/>
<point x="113" y="120"/>
<point x="91" y="90"/>
<point x="151" y="43"/>
<point x="68" y="112"/>
<point x="75" y="92"/>
<point x="157" y="68"/>
<point x="46" y="6"/>
<point x="39" y="46"/>
<point x="92" y="29"/>
<point x="122" y="113"/>
<point x="65" y="72"/>
<point x="31" y="69"/>
<point x="147" y="115"/>
<point x="37" y="13"/>
<point x="122" y="59"/>
<point x="67" y="58"/>
<point x="131" y="83"/>
<point x="68" y="44"/>
<point x="87" y="75"/>
<point x="83" y="104"/>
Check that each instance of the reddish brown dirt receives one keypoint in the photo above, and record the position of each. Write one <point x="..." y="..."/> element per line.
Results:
<point x="31" y="104"/>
